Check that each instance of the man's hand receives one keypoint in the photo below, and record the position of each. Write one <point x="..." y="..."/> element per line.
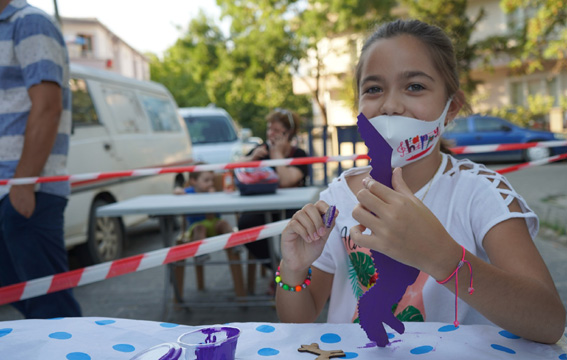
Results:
<point x="22" y="198"/>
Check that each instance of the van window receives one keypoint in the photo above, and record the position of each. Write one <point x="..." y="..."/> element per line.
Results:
<point x="83" y="110"/>
<point x="126" y="111"/>
<point x="210" y="129"/>
<point x="163" y="115"/>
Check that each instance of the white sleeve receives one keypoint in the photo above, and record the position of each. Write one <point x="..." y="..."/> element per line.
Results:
<point x="490" y="206"/>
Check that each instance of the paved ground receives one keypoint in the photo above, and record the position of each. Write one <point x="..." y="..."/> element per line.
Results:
<point x="139" y="295"/>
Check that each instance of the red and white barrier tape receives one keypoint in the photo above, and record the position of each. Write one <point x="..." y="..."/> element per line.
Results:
<point x="179" y="169"/>
<point x="505" y="147"/>
<point x="91" y="274"/>
<point x="532" y="163"/>
<point x="251" y="164"/>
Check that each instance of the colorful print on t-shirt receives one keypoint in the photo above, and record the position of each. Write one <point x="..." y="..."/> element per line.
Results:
<point x="362" y="276"/>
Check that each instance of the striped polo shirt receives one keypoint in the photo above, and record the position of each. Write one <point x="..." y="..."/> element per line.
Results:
<point x="32" y="50"/>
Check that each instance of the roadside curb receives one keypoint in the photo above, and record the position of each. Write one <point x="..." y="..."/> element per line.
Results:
<point x="552" y="213"/>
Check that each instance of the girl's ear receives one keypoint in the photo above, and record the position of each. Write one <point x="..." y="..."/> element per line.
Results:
<point x="456" y="105"/>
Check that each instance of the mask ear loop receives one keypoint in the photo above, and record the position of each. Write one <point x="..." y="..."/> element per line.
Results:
<point x="444" y="114"/>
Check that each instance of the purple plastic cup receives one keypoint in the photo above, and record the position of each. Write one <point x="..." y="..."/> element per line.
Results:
<point x="165" y="351"/>
<point x="210" y="343"/>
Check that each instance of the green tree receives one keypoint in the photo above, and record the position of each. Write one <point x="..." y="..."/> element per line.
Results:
<point x="316" y="20"/>
<point x="540" y="33"/>
<point x="452" y="17"/>
<point x="187" y="64"/>
<point x="259" y="52"/>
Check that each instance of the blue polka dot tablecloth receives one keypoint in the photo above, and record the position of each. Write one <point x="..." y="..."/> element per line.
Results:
<point x="92" y="338"/>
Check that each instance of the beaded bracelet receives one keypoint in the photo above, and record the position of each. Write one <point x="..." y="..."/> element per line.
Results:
<point x="297" y="288"/>
<point x="456" y="275"/>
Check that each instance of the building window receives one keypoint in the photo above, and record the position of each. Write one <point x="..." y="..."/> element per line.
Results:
<point x="553" y="90"/>
<point x="83" y="112"/>
<point x="534" y="87"/>
<point x="86" y="43"/>
<point x="517" y="93"/>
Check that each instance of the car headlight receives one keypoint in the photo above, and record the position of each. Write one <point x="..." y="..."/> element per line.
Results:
<point x="558" y="136"/>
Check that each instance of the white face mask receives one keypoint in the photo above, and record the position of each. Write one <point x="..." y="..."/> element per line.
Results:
<point x="411" y="139"/>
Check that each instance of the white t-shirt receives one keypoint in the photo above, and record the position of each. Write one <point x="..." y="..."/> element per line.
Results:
<point x="465" y="199"/>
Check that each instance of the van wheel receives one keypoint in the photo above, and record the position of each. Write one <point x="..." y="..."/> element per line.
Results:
<point x="536" y="153"/>
<point x="105" y="240"/>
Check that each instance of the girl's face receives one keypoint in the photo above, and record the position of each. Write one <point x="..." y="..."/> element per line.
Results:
<point x="398" y="78"/>
<point x="204" y="183"/>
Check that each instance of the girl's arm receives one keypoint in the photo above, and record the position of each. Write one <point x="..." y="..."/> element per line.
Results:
<point x="303" y="240"/>
<point x="515" y="291"/>
<point x="304" y="306"/>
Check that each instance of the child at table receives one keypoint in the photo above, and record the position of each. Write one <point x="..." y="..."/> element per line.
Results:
<point x="200" y="226"/>
<point x="440" y="210"/>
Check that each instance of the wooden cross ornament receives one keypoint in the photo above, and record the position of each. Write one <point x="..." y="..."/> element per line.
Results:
<point x="323" y="354"/>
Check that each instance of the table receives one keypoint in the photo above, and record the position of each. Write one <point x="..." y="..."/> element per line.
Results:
<point x="92" y="338"/>
<point x="166" y="207"/>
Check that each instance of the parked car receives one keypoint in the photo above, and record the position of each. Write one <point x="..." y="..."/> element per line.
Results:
<point x="119" y="123"/>
<point x="214" y="134"/>
<point x="485" y="130"/>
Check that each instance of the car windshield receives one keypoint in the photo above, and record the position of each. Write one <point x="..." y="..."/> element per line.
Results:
<point x="210" y="129"/>
<point x="457" y="126"/>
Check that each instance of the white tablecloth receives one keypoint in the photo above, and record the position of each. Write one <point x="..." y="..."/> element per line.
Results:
<point x="93" y="338"/>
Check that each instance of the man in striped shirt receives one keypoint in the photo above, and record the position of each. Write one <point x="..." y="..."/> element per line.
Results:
<point x="35" y="123"/>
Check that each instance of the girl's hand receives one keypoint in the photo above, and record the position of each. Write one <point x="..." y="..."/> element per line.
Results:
<point x="305" y="236"/>
<point x="402" y="227"/>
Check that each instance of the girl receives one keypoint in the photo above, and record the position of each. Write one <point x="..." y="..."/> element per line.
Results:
<point x="440" y="211"/>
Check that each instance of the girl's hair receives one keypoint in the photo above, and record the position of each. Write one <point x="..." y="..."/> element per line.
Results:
<point x="440" y="49"/>
<point x="435" y="39"/>
<point x="288" y="119"/>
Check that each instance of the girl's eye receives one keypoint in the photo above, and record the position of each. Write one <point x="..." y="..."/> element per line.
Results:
<point x="415" y="87"/>
<point x="372" y="90"/>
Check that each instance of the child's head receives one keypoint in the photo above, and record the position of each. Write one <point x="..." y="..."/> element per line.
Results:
<point x="433" y="48"/>
<point x="202" y="181"/>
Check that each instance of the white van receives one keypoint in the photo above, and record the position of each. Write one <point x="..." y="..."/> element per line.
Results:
<point x="214" y="134"/>
<point x="119" y="123"/>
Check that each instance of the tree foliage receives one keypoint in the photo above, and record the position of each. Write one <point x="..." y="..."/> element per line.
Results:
<point x="452" y="17"/>
<point x="324" y="19"/>
<point x="248" y="71"/>
<point x="186" y="66"/>
<point x="541" y="33"/>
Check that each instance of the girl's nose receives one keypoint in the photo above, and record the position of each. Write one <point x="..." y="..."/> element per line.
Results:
<point x="391" y="105"/>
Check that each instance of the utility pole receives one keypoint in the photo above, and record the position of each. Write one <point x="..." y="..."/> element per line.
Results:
<point x="56" y="12"/>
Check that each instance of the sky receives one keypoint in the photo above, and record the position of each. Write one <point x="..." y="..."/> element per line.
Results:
<point x="146" y="25"/>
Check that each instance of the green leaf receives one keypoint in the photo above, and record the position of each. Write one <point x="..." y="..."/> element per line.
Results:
<point x="410" y="313"/>
<point x="363" y="266"/>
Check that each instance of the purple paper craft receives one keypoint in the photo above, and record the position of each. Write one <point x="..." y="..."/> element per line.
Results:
<point x="375" y="305"/>
<point x="328" y="216"/>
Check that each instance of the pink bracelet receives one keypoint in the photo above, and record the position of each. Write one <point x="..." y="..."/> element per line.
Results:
<point x="456" y="275"/>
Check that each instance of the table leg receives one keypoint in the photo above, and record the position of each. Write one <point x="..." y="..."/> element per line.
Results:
<point x="271" y="245"/>
<point x="236" y="272"/>
<point x="166" y="230"/>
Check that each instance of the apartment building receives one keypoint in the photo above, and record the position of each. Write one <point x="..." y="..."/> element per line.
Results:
<point x="499" y="86"/>
<point x="91" y="43"/>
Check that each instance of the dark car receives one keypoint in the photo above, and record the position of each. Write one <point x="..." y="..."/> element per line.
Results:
<point x="485" y="130"/>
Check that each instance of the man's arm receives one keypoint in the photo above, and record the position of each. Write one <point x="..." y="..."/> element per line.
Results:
<point x="41" y="131"/>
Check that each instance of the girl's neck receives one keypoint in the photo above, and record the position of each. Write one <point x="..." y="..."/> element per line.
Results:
<point x="419" y="173"/>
